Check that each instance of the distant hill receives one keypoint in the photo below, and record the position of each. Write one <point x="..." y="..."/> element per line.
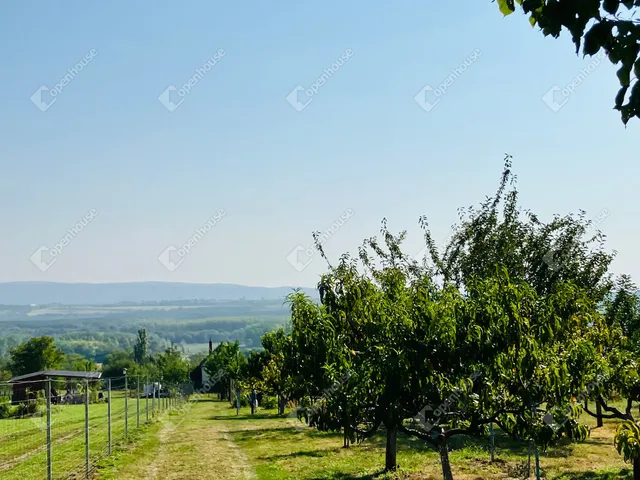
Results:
<point x="26" y="293"/>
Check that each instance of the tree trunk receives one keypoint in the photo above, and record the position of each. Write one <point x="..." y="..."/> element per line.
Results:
<point x="636" y="468"/>
<point x="391" y="452"/>
<point x="281" y="403"/>
<point x="348" y="433"/>
<point x="599" y="413"/>
<point x="629" y="407"/>
<point x="444" y="460"/>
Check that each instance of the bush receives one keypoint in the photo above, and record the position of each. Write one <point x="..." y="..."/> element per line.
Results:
<point x="28" y="408"/>
<point x="244" y="401"/>
<point x="6" y="410"/>
<point x="269" y="403"/>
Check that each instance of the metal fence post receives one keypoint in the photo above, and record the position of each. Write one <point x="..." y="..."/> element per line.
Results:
<point x="146" y="397"/>
<point x="109" y="416"/>
<point x="126" y="405"/>
<point x="49" y="469"/>
<point x="138" y="401"/>
<point x="86" y="428"/>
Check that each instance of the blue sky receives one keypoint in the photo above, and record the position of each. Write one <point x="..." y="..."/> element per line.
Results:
<point x="363" y="144"/>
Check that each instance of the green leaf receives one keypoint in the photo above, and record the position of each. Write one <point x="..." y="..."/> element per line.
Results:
<point x="624" y="75"/>
<point x="620" y="97"/>
<point x="611" y="6"/>
<point x="597" y="37"/>
<point x="506" y="7"/>
<point x="532" y="21"/>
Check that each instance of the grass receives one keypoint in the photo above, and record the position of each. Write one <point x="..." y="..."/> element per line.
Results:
<point x="211" y="442"/>
<point x="23" y="450"/>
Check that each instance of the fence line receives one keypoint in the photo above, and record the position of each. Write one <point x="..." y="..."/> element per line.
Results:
<point x="47" y="435"/>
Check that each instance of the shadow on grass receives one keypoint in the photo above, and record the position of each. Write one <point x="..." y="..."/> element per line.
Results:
<point x="244" y="418"/>
<point x="624" y="474"/>
<point x="303" y="453"/>
<point x="281" y="433"/>
<point x="354" y="476"/>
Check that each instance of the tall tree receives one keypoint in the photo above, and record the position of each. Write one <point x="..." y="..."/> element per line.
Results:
<point x="116" y="362"/>
<point x="172" y="366"/>
<point x="612" y="27"/>
<point x="5" y="372"/>
<point x="35" y="355"/>
<point x="621" y="375"/>
<point x="320" y="378"/>
<point x="225" y="363"/>
<point x="404" y="338"/>
<point x="141" y="347"/>
<point x="525" y="329"/>
<point x="279" y="367"/>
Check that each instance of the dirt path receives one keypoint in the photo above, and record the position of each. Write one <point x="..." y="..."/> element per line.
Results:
<point x="189" y="447"/>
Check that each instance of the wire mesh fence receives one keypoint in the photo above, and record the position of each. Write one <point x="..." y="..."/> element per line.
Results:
<point x="53" y="428"/>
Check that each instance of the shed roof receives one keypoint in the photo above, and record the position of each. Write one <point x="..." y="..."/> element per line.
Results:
<point x="59" y="374"/>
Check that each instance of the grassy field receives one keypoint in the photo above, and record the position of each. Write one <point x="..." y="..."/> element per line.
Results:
<point x="210" y="442"/>
<point x="23" y="441"/>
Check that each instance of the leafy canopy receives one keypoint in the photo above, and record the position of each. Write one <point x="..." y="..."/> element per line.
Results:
<point x="35" y="355"/>
<point x="595" y="25"/>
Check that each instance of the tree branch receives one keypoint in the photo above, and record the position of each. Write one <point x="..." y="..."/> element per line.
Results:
<point x="595" y="415"/>
<point x="421" y="435"/>
<point x="613" y="410"/>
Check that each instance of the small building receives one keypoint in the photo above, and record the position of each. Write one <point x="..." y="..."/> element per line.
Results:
<point x="26" y="387"/>
<point x="199" y="376"/>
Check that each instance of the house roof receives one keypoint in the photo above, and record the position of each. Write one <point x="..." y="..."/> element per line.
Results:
<point x="59" y="374"/>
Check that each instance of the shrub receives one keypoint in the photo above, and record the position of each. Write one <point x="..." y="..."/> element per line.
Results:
<point x="244" y="401"/>
<point x="6" y="410"/>
<point x="269" y="403"/>
<point x="27" y="408"/>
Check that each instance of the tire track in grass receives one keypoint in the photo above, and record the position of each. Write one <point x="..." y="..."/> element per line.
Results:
<point x="194" y="447"/>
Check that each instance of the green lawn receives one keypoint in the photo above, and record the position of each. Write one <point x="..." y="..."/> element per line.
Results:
<point x="23" y="441"/>
<point x="210" y="442"/>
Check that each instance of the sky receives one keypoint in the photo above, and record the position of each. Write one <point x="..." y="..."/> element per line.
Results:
<point x="174" y="127"/>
